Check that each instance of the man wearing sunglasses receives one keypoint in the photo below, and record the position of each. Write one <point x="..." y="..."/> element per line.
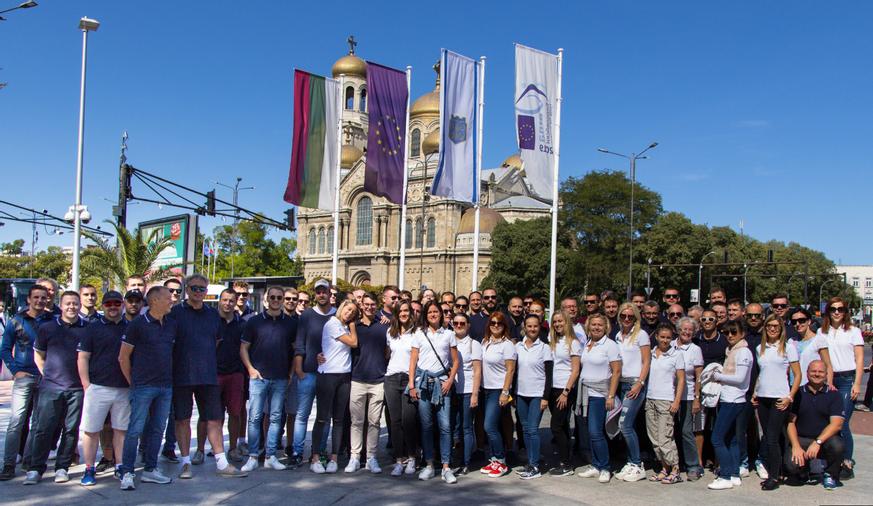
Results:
<point x="780" y="306"/>
<point x="390" y="298"/>
<point x="243" y="308"/>
<point x="133" y="304"/>
<point x="754" y="316"/>
<point x="175" y="288"/>
<point x="462" y="304"/>
<point x="671" y="296"/>
<point x="289" y="302"/>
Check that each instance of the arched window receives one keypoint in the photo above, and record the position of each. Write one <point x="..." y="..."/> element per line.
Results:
<point x="365" y="222"/>
<point x="311" y="241"/>
<point x="408" y="234"/>
<point x="418" y="233"/>
<point x="350" y="98"/>
<point x="330" y="239"/>
<point x="363" y="105"/>
<point x="321" y="241"/>
<point x="431" y="233"/>
<point x="415" y="145"/>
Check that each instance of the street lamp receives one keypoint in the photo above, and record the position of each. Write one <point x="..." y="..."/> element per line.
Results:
<point x="236" y="189"/>
<point x="700" y="275"/>
<point x="23" y="5"/>
<point x="86" y="25"/>
<point x="633" y="157"/>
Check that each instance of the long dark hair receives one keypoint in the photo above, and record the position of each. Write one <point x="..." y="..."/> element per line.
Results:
<point x="422" y="324"/>
<point x="397" y="327"/>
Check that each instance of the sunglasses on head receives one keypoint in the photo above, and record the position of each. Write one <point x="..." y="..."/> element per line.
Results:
<point x="837" y="309"/>
<point x="197" y="289"/>
<point x="800" y="321"/>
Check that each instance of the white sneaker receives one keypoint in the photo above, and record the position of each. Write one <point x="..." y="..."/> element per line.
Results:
<point x="61" y="476"/>
<point x="744" y="472"/>
<point x="736" y="481"/>
<point x="397" y="470"/>
<point x="449" y="476"/>
<point x="720" y="484"/>
<point x="410" y="466"/>
<point x="426" y="473"/>
<point x="331" y="467"/>
<point x="588" y="472"/>
<point x="353" y="465"/>
<point x="155" y="476"/>
<point x="620" y="474"/>
<point x="316" y="467"/>
<point x="250" y="465"/>
<point x="273" y="463"/>
<point x="32" y="478"/>
<point x="762" y="471"/>
<point x="127" y="482"/>
<point x="635" y="473"/>
<point x="373" y="465"/>
<point x="604" y="477"/>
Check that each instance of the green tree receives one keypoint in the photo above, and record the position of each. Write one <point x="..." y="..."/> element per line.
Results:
<point x="133" y="254"/>
<point x="520" y="258"/>
<point x="254" y="254"/>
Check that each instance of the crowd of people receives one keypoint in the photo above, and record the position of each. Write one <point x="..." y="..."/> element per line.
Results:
<point x="636" y="390"/>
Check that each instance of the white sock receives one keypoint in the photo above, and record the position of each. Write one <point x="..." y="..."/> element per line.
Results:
<point x="220" y="461"/>
<point x="186" y="459"/>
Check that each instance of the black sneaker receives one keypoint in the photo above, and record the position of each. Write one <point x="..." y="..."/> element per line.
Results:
<point x="846" y="473"/>
<point x="295" y="461"/>
<point x="8" y="473"/>
<point x="561" y="470"/>
<point x="170" y="455"/>
<point x="530" y="473"/>
<point x="104" y="465"/>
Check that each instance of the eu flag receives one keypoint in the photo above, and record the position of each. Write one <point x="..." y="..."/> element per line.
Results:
<point x="387" y="96"/>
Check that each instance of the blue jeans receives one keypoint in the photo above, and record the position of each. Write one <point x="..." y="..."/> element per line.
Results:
<point x="24" y="395"/>
<point x="493" y="411"/>
<point x="528" y="408"/>
<point x="305" y="396"/>
<point x="269" y="394"/>
<point x="59" y="413"/>
<point x="843" y="384"/>
<point x="464" y="425"/>
<point x="689" y="443"/>
<point x="149" y="409"/>
<point x="596" y="431"/>
<point x="629" y="410"/>
<point x="724" y="439"/>
<point x="425" y="414"/>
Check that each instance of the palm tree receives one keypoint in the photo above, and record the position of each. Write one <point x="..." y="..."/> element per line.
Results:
<point x="132" y="255"/>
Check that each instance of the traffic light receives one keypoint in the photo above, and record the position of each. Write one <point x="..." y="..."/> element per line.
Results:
<point x="210" y="203"/>
<point x="289" y="220"/>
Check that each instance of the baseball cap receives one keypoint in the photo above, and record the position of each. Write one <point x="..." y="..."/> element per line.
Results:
<point x="133" y="294"/>
<point x="112" y="295"/>
<point x="322" y="283"/>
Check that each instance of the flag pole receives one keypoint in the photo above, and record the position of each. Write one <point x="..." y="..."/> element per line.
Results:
<point x="203" y="254"/>
<point x="215" y="263"/>
<point x="336" y="201"/>
<point x="557" y="145"/>
<point x="480" y="98"/>
<point x="402" y="274"/>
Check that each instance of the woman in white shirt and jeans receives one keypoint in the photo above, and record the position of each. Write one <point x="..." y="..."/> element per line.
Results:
<point x="402" y="411"/>
<point x="498" y="369"/>
<point x="534" y="385"/>
<point x="467" y="385"/>
<point x="636" y="357"/>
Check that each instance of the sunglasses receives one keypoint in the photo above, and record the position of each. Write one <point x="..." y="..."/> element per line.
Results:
<point x="243" y="294"/>
<point x="528" y="302"/>
<point x="837" y="309"/>
<point x="177" y="291"/>
<point x="489" y="297"/>
<point x="462" y="306"/>
<point x="707" y="319"/>
<point x="627" y="317"/>
<point x="779" y="306"/>
<point x="774" y="326"/>
<point x="753" y="316"/>
<point x="800" y="321"/>
<point x="303" y="301"/>
<point x="447" y="311"/>
<point x="459" y="324"/>
<point x="275" y="297"/>
<point x="495" y="324"/>
<point x="591" y="302"/>
<point x="671" y="295"/>
<point x="674" y="314"/>
<point x="733" y="332"/>
<point x="197" y="289"/>
<point x="290" y="299"/>
<point x="112" y="303"/>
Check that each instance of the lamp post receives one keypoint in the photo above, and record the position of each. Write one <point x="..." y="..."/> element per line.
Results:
<point x="700" y="275"/>
<point x="633" y="157"/>
<point x="425" y="198"/>
<point x="235" y="189"/>
<point x="86" y="25"/>
<point x="22" y="5"/>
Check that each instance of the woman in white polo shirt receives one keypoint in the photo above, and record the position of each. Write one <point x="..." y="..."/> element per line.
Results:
<point x="498" y="368"/>
<point x="599" y="377"/>
<point x="467" y="385"/>
<point x="433" y="364"/>
<point x="535" y="365"/>
<point x="663" y="401"/>
<point x="334" y="382"/>
<point x="636" y="357"/>
<point x="846" y="348"/>
<point x="566" y="350"/>
<point x="810" y="345"/>
<point x="773" y="395"/>
<point x="690" y="411"/>
<point x="402" y="411"/>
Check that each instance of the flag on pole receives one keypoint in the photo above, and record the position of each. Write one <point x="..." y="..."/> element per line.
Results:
<point x="387" y="97"/>
<point x="536" y="94"/>
<point x="205" y="249"/>
<point x="312" y="177"/>
<point x="456" y="175"/>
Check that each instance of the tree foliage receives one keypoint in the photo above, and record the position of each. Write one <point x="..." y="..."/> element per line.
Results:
<point x="254" y="254"/>
<point x="133" y="254"/>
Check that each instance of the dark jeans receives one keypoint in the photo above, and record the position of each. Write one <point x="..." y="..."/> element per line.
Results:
<point x="597" y="433"/>
<point x="24" y="396"/>
<point x="843" y="383"/>
<point x="724" y="439"/>
<point x="149" y="410"/>
<point x="404" y="416"/>
<point x="687" y="439"/>
<point x="528" y="409"/>
<point x="332" y="393"/>
<point x="56" y="409"/>
<point x="560" y="423"/>
<point x="772" y="423"/>
<point x="831" y="452"/>
<point x="493" y="414"/>
<point x="463" y="416"/>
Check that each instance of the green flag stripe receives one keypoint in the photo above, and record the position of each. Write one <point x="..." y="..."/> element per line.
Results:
<point x="315" y="143"/>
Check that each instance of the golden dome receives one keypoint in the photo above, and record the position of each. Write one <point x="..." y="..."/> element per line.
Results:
<point x="350" y="155"/>
<point x="431" y="143"/>
<point x="350" y="65"/>
<point x="428" y="104"/>
<point x="512" y="162"/>
<point x="488" y="219"/>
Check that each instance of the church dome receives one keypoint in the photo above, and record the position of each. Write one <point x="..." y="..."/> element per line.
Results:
<point x="429" y="103"/>
<point x="431" y="143"/>
<point x="488" y="219"/>
<point x="349" y="156"/>
<point x="350" y="65"/>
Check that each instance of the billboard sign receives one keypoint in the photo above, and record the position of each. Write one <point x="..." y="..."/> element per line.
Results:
<point x="182" y="231"/>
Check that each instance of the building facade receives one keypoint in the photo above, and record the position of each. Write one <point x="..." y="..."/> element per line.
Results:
<point x="860" y="277"/>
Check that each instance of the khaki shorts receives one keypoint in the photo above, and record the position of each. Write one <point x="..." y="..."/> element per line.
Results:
<point x="100" y="401"/>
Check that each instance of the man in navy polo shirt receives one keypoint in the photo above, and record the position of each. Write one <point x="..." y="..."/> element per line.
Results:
<point x="146" y="359"/>
<point x="266" y="351"/>
<point x="106" y="388"/>
<point x="16" y="351"/>
<point x="60" y="391"/>
<point x="88" y="294"/>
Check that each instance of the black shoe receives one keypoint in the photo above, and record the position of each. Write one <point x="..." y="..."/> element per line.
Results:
<point x="8" y="473"/>
<point x="104" y="465"/>
<point x="170" y="455"/>
<point x="461" y="471"/>
<point x="846" y="473"/>
<point x="561" y="470"/>
<point x="770" y="484"/>
<point x="295" y="461"/>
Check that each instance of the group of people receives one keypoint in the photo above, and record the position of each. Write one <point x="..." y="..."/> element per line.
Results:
<point x="452" y="375"/>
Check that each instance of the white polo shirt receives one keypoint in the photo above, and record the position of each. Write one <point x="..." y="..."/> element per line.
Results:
<point x="494" y="357"/>
<point x="563" y="357"/>
<point x="692" y="355"/>
<point x="808" y="351"/>
<point x="773" y="376"/>
<point x="662" y="374"/>
<point x="736" y="393"/>
<point x="595" y="359"/>
<point x="401" y="348"/>
<point x="841" y="347"/>
<point x="532" y="367"/>
<point x="443" y="341"/>
<point x="469" y="350"/>
<point x="631" y="356"/>
<point x="337" y="354"/>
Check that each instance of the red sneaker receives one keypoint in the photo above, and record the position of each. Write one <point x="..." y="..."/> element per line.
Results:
<point x="489" y="468"/>
<point x="499" y="469"/>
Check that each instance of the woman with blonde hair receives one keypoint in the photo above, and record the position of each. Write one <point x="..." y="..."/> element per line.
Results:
<point x="566" y="351"/>
<point x="636" y="358"/>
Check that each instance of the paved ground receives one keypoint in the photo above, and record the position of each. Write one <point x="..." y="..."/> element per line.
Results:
<point x="301" y="487"/>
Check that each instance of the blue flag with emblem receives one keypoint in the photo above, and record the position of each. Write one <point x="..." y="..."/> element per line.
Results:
<point x="456" y="176"/>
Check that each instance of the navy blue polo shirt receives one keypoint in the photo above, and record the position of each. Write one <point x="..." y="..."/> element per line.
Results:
<point x="271" y="341"/>
<point x="152" y="357"/>
<point x="814" y="410"/>
<point x="478" y="322"/>
<point x="368" y="359"/>
<point x="308" y="342"/>
<point x="197" y="334"/>
<point x="102" y="340"/>
<point x="59" y="340"/>
<point x="713" y="350"/>
<point x="227" y="354"/>
<point x="90" y="318"/>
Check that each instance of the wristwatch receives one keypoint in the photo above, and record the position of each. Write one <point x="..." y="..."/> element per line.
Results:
<point x="819" y="442"/>
<point x="642" y="383"/>
<point x="504" y="392"/>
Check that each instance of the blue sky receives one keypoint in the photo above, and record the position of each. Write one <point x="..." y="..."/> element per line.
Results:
<point x="761" y="109"/>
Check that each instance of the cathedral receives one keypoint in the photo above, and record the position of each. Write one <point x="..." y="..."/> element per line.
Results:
<point x="439" y="232"/>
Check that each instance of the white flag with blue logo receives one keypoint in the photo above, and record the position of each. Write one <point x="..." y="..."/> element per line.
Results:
<point x="536" y="93"/>
<point x="456" y="175"/>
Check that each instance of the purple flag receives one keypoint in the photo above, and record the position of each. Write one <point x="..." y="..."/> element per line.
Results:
<point x="387" y="97"/>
